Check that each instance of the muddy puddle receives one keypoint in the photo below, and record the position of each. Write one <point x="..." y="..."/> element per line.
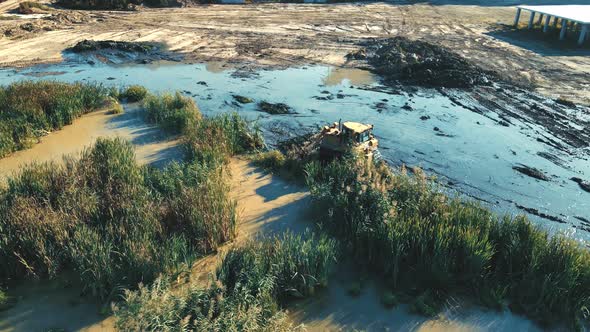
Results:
<point x="470" y="146"/>
<point x="151" y="145"/>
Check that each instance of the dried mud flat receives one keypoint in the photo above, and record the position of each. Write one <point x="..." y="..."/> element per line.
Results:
<point x="292" y="34"/>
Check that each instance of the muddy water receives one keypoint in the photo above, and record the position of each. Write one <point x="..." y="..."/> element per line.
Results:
<point x="467" y="151"/>
<point x="333" y="309"/>
<point x="151" y="145"/>
<point x="53" y="306"/>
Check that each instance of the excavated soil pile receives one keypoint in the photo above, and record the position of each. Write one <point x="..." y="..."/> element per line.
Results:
<point x="110" y="51"/>
<point x="301" y="148"/>
<point x="420" y="63"/>
<point x="95" y="45"/>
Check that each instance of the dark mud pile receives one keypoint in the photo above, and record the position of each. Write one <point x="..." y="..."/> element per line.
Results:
<point x="110" y="51"/>
<point x="275" y="109"/>
<point x="420" y="63"/>
<point x="95" y="45"/>
<point x="532" y="172"/>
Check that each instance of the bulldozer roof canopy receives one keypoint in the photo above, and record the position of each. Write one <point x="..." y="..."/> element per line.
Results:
<point x="356" y="127"/>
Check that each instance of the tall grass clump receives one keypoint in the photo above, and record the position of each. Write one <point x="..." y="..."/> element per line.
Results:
<point x="173" y="112"/>
<point x="6" y="302"/>
<point x="289" y="266"/>
<point x="252" y="283"/>
<point x="212" y="140"/>
<point x="404" y="228"/>
<point x="30" y="109"/>
<point x="133" y="93"/>
<point x="114" y="222"/>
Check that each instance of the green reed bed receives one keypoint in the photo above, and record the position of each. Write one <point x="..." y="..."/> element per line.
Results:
<point x="115" y="222"/>
<point x="103" y="216"/>
<point x="30" y="109"/>
<point x="252" y="283"/>
<point x="133" y="93"/>
<point x="172" y="112"/>
<point x="427" y="244"/>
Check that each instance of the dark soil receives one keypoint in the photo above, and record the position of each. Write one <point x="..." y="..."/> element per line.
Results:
<point x="585" y="185"/>
<point x="420" y="63"/>
<point x="275" y="109"/>
<point x="95" y="45"/>
<point x="565" y="102"/>
<point x="532" y="172"/>
<point x="242" y="99"/>
<point x="541" y="214"/>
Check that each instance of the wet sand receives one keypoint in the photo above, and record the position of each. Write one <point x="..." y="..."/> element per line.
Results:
<point x="333" y="309"/>
<point x="151" y="145"/>
<point x="45" y="305"/>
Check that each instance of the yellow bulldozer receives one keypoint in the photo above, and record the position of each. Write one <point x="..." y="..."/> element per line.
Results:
<point x="344" y="137"/>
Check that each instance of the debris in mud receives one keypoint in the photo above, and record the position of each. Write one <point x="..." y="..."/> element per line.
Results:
<point x="565" y="102"/>
<point x="585" y="185"/>
<point x="301" y="147"/>
<point x="532" y="172"/>
<point x="421" y="63"/>
<point x="540" y="214"/>
<point x="407" y="107"/>
<point x="95" y="45"/>
<point x="380" y="106"/>
<point x="357" y="55"/>
<point x="242" y="99"/>
<point x="27" y="27"/>
<point x="275" y="109"/>
<point x="424" y="117"/>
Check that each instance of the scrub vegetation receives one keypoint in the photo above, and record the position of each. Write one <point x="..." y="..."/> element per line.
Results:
<point x="427" y="244"/>
<point x="133" y="93"/>
<point x="117" y="223"/>
<point x="252" y="283"/>
<point x="28" y="110"/>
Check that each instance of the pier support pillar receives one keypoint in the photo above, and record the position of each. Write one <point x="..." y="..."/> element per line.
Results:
<point x="517" y="17"/>
<point x="531" y="20"/>
<point x="546" y="26"/>
<point x="583" y="34"/>
<point x="563" y="29"/>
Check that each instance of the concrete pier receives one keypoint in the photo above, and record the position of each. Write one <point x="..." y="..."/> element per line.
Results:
<point x="575" y="14"/>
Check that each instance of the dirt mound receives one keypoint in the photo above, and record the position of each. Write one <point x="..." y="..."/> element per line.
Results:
<point x="421" y="63"/>
<point x="532" y="172"/>
<point x="275" y="109"/>
<point x="585" y="185"/>
<point x="95" y="45"/>
<point x="301" y="147"/>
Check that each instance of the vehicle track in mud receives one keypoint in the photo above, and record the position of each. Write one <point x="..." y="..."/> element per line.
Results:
<point x="298" y="34"/>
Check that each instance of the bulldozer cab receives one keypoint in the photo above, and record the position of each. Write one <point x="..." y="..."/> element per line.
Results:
<point x="357" y="132"/>
<point x="340" y="138"/>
